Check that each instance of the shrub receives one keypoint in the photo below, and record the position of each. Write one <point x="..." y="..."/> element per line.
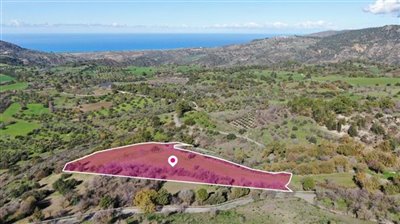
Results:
<point x="331" y="124"/>
<point x="216" y="198"/>
<point x="144" y="199"/>
<point x="231" y="136"/>
<point x="377" y="129"/>
<point x="182" y="107"/>
<point x="103" y="216"/>
<point x="186" y="196"/>
<point x="190" y="122"/>
<point x="308" y="184"/>
<point x="352" y="131"/>
<point x="27" y="206"/>
<point x="201" y="195"/>
<point x="242" y="131"/>
<point x="37" y="215"/>
<point x="391" y="189"/>
<point x="312" y="139"/>
<point x="163" y="197"/>
<point x="107" y="202"/>
<point x="64" y="186"/>
<point x="348" y="149"/>
<point x="238" y="192"/>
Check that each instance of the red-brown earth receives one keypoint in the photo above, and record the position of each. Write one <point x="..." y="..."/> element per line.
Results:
<point x="150" y="160"/>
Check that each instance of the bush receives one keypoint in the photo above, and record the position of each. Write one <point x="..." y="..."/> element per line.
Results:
<point x="201" y="195"/>
<point x="145" y="199"/>
<point x="238" y="192"/>
<point x="391" y="189"/>
<point x="64" y="186"/>
<point x="352" y="131"/>
<point x="107" y="202"/>
<point x="308" y="184"/>
<point x="182" y="107"/>
<point x="312" y="139"/>
<point x="377" y="129"/>
<point x="27" y="206"/>
<point x="242" y="131"/>
<point x="189" y="122"/>
<point x="186" y="196"/>
<point x="231" y="136"/>
<point x="216" y="198"/>
<point x="163" y="197"/>
<point x="348" y="149"/>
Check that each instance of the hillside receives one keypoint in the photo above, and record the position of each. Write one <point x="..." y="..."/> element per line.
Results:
<point x="380" y="44"/>
<point x="15" y="55"/>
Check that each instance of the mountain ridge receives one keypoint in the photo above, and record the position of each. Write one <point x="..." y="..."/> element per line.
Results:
<point x="378" y="44"/>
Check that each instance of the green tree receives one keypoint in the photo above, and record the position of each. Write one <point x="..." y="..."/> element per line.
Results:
<point x="162" y="197"/>
<point x="201" y="195"/>
<point x="182" y="107"/>
<point x="231" y="136"/>
<point x="145" y="199"/>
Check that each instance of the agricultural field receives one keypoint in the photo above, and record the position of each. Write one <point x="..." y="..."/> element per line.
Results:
<point x="362" y="81"/>
<point x="141" y="71"/>
<point x="14" y="126"/>
<point x="14" y="86"/>
<point x="5" y="78"/>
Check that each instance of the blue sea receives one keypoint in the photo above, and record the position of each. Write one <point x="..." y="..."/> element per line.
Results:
<point x="125" y="42"/>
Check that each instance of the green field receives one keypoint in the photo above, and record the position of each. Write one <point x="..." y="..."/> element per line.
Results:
<point x="20" y="127"/>
<point x="360" y="81"/>
<point x="36" y="109"/>
<point x="5" y="78"/>
<point x="341" y="179"/>
<point x="200" y="118"/>
<point x="146" y="71"/>
<point x="187" y="68"/>
<point x="282" y="75"/>
<point x="175" y="187"/>
<point x="15" y="86"/>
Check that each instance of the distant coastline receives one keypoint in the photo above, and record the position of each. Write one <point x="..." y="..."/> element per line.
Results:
<point x="69" y="43"/>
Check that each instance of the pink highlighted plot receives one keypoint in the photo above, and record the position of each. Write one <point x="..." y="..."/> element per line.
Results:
<point x="170" y="162"/>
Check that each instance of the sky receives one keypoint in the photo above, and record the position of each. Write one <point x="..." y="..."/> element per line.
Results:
<point x="195" y="16"/>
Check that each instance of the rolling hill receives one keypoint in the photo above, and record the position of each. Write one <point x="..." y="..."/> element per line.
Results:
<point x="381" y="44"/>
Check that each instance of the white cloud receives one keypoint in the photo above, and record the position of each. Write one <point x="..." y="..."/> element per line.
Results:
<point x="313" y="24"/>
<point x="280" y="25"/>
<point x="249" y="25"/>
<point x="275" y="25"/>
<point x="254" y="26"/>
<point x="384" y="7"/>
<point x="20" y="24"/>
<point x="15" y="23"/>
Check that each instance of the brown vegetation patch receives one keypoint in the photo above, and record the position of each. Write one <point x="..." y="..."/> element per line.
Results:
<point x="95" y="106"/>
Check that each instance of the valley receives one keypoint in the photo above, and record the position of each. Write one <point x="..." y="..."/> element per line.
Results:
<point x="334" y="124"/>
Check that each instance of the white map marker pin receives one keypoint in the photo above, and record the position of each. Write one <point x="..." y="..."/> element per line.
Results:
<point x="172" y="160"/>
